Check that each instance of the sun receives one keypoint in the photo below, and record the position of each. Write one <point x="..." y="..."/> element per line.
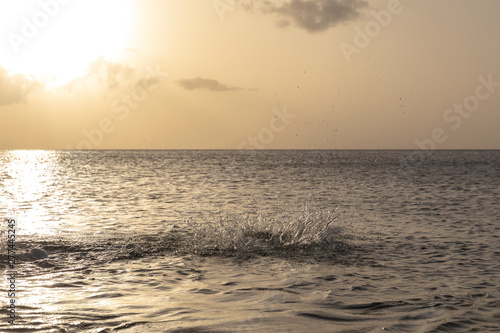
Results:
<point x="54" y="41"/>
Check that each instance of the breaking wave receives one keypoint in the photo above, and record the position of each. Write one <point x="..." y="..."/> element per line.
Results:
<point x="306" y="234"/>
<point x="256" y="233"/>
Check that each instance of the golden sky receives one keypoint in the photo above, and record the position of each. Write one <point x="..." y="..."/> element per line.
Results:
<point x="229" y="74"/>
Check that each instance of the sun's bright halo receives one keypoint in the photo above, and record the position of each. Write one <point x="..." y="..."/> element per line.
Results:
<point x="56" y="43"/>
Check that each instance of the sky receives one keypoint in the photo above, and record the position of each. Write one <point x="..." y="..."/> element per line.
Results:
<point x="249" y="74"/>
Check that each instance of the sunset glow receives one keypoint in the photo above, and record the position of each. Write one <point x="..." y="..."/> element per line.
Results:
<point x="56" y="42"/>
<point x="155" y="74"/>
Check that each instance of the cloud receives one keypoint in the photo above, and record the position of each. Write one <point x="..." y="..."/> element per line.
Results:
<point x="208" y="84"/>
<point x="16" y="87"/>
<point x="103" y="73"/>
<point x="314" y="15"/>
<point x="110" y="74"/>
<point x="148" y="81"/>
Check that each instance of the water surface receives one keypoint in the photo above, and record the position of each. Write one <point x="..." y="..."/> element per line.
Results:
<point x="245" y="241"/>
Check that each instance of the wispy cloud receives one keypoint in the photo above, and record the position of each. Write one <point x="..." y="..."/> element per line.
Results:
<point x="110" y="74"/>
<point x="106" y="74"/>
<point x="16" y="87"/>
<point x="207" y="84"/>
<point x="314" y="15"/>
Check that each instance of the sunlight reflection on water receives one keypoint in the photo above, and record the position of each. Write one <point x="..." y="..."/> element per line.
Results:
<point x="27" y="176"/>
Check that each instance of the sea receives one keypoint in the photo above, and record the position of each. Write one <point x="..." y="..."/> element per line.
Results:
<point x="250" y="241"/>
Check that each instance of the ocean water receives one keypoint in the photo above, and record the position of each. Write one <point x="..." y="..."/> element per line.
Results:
<point x="252" y="241"/>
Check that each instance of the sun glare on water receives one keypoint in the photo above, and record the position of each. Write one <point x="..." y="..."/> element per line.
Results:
<point x="55" y="40"/>
<point x="27" y="174"/>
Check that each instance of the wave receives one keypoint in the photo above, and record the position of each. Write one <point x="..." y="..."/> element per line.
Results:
<point x="256" y="233"/>
<point x="306" y="234"/>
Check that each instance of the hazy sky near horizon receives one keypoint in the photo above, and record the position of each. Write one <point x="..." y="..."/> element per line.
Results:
<point x="228" y="74"/>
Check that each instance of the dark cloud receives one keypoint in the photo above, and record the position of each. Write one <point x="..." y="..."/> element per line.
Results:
<point x="16" y="87"/>
<point x="314" y="15"/>
<point x="208" y="84"/>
